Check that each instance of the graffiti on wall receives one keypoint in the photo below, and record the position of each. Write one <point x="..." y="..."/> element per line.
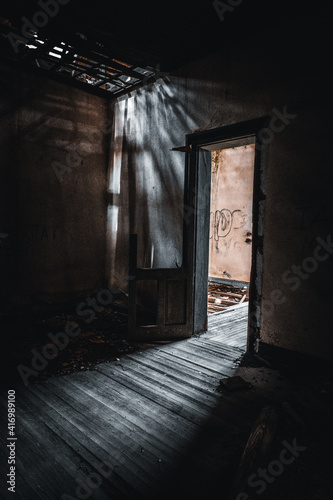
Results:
<point x="224" y="221"/>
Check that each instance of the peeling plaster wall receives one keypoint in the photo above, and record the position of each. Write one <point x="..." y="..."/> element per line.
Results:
<point x="53" y="173"/>
<point x="231" y="213"/>
<point x="268" y="76"/>
<point x="144" y="186"/>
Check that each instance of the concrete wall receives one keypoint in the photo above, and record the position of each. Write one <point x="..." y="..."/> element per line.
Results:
<point x="280" y="74"/>
<point x="53" y="174"/>
<point x="231" y="213"/>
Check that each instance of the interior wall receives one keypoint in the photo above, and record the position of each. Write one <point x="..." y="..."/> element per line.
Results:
<point x="53" y="176"/>
<point x="231" y="213"/>
<point x="282" y="75"/>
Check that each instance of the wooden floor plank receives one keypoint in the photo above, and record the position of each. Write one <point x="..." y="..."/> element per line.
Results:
<point x="172" y="397"/>
<point x="170" y="380"/>
<point x="221" y="351"/>
<point x="204" y="355"/>
<point x="135" y="413"/>
<point x="230" y="327"/>
<point x="47" y="452"/>
<point x="140" y="414"/>
<point x="100" y="436"/>
<point x="177" y="372"/>
<point x="198" y="374"/>
<point x="199" y="357"/>
<point x="149" y="405"/>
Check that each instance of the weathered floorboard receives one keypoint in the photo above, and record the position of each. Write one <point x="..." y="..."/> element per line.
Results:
<point x="141" y="416"/>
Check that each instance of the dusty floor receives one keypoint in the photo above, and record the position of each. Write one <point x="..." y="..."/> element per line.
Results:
<point x="301" y="400"/>
<point x="104" y="338"/>
<point x="101" y="339"/>
<point x="308" y="394"/>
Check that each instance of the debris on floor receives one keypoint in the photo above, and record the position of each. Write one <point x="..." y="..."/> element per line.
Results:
<point x="221" y="296"/>
<point x="102" y="339"/>
<point x="258" y="448"/>
<point x="235" y="383"/>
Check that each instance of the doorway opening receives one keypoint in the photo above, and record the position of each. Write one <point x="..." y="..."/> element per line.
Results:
<point x="230" y="236"/>
<point x="236" y="224"/>
<point x="182" y="292"/>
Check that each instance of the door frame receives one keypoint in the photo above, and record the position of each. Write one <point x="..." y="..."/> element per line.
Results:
<point x="193" y="190"/>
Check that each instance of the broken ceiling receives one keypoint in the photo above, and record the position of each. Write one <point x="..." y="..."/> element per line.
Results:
<point x="110" y="48"/>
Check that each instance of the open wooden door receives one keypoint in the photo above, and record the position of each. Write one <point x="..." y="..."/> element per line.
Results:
<point x="203" y="161"/>
<point x="181" y="292"/>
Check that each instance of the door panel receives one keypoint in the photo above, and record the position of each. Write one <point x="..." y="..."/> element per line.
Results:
<point x="201" y="260"/>
<point x="173" y="316"/>
<point x="182" y="292"/>
<point x="175" y="302"/>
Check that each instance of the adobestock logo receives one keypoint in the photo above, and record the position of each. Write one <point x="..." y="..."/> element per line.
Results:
<point x="278" y="122"/>
<point x="295" y="276"/>
<point x="262" y="477"/>
<point x="310" y="264"/>
<point x="85" y="488"/>
<point x="223" y="8"/>
<point x="50" y="8"/>
<point x="60" y="340"/>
